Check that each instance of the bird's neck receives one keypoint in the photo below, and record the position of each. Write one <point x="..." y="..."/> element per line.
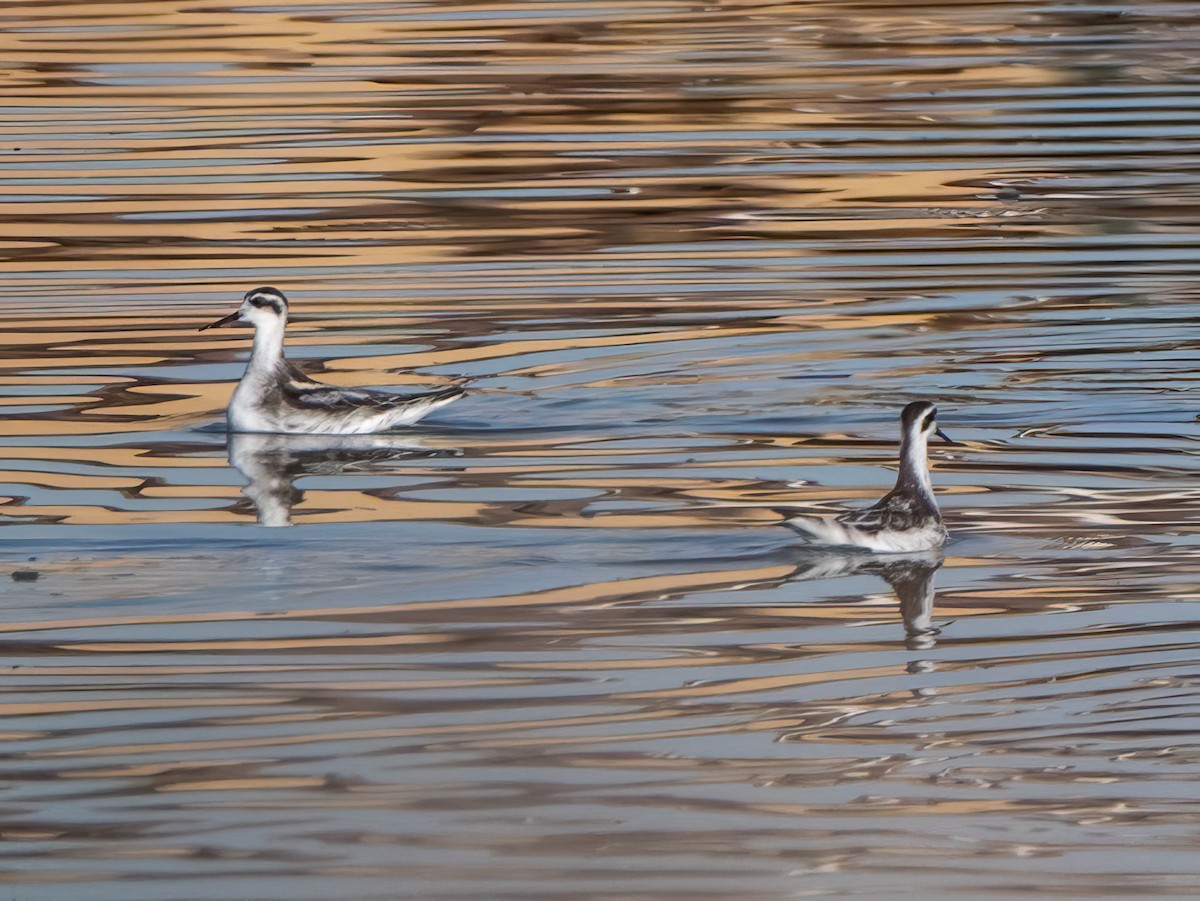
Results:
<point x="267" y="353"/>
<point x="914" y="466"/>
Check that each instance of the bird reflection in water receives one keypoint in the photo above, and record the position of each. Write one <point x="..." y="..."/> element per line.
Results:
<point x="911" y="577"/>
<point x="271" y="463"/>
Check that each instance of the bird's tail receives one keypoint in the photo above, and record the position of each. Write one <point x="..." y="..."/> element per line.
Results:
<point x="447" y="394"/>
<point x="819" y="529"/>
<point x="423" y="404"/>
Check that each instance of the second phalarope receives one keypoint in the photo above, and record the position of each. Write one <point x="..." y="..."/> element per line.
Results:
<point x="907" y="518"/>
<point x="274" y="396"/>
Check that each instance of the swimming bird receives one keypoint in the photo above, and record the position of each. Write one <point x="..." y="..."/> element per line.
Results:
<point x="907" y="518"/>
<point x="274" y="396"/>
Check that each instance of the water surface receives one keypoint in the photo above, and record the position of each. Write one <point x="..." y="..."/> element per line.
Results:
<point x="694" y="257"/>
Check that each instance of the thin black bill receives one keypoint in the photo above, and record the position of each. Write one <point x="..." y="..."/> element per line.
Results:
<point x="232" y="317"/>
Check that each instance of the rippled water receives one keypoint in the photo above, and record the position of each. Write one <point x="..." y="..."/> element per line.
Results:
<point x="695" y="257"/>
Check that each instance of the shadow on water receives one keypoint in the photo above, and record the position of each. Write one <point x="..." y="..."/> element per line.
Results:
<point x="911" y="577"/>
<point x="694" y="258"/>
<point x="272" y="463"/>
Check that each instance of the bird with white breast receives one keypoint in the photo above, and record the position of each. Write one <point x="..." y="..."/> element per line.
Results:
<point x="907" y="518"/>
<point x="274" y="396"/>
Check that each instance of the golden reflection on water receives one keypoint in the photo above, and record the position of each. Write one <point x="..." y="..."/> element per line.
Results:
<point x="693" y="258"/>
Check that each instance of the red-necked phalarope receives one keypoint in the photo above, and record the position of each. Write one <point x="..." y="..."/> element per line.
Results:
<point x="274" y="396"/>
<point x="907" y="519"/>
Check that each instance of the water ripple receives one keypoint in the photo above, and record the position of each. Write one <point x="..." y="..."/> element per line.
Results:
<point x="693" y="258"/>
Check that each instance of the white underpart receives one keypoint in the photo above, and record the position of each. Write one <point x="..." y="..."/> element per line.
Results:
<point x="914" y="461"/>
<point x="829" y="531"/>
<point x="245" y="415"/>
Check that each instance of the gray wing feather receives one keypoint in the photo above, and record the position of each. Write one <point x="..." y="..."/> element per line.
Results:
<point x="312" y="395"/>
<point x="895" y="511"/>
